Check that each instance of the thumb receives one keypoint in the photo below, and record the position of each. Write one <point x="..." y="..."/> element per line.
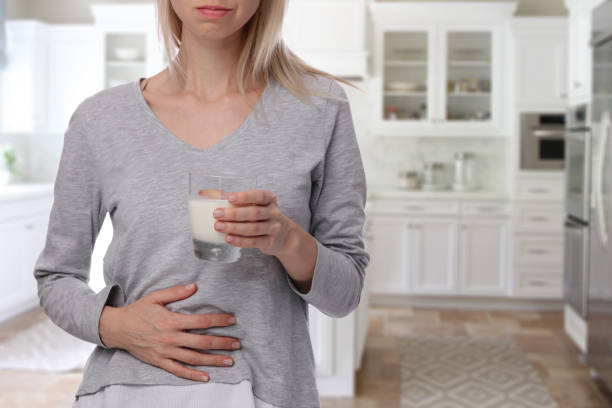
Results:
<point x="171" y="294"/>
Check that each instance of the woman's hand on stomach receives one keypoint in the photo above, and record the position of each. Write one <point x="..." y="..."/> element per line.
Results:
<point x="154" y="334"/>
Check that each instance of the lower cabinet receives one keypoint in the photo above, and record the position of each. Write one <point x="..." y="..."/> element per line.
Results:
<point x="483" y="256"/>
<point x="22" y="238"/>
<point x="432" y="254"/>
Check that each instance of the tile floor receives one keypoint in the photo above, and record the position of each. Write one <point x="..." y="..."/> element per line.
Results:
<point x="539" y="334"/>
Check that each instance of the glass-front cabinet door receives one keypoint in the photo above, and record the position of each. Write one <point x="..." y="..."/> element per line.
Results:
<point x="469" y="84"/>
<point x="406" y="77"/>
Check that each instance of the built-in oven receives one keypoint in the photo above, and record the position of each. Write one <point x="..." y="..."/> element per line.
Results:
<point x="542" y="141"/>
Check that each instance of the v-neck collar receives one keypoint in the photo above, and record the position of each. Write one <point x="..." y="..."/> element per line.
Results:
<point x="136" y="85"/>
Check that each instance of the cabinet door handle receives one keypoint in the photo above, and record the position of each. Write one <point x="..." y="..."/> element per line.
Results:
<point x="538" y="251"/>
<point x="537" y="282"/>
<point x="487" y="209"/>
<point x="538" y="190"/>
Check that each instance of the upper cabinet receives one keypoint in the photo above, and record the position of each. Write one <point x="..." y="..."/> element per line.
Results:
<point x="440" y="67"/>
<point x="541" y="75"/>
<point x="131" y="48"/>
<point x="329" y="34"/>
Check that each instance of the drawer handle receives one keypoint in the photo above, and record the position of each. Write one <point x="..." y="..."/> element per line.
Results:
<point x="539" y="218"/>
<point x="413" y="208"/>
<point x="538" y="251"/>
<point x="413" y="226"/>
<point x="537" y="282"/>
<point x="29" y="226"/>
<point x="538" y="190"/>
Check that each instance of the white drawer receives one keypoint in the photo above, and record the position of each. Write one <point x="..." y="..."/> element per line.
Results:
<point x="540" y="190"/>
<point x="21" y="208"/>
<point x="485" y="208"/>
<point x="414" y="207"/>
<point x="530" y="218"/>
<point x="534" y="250"/>
<point x="538" y="282"/>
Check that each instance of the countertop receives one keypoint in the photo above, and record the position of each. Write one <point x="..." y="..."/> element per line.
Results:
<point x="25" y="190"/>
<point x="398" y="193"/>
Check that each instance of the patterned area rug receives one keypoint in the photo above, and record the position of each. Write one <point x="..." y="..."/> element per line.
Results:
<point x="442" y="371"/>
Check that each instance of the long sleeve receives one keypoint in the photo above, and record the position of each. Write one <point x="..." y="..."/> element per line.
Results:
<point x="338" y="216"/>
<point x="63" y="267"/>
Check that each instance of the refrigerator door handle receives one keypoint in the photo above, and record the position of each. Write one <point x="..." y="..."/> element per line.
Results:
<point x="606" y="125"/>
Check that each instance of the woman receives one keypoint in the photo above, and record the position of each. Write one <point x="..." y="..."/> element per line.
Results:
<point x="127" y="151"/>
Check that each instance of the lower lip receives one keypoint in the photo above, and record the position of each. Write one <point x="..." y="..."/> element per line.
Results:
<point x="210" y="13"/>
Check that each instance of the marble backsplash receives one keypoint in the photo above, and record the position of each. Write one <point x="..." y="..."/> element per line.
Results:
<point x="384" y="157"/>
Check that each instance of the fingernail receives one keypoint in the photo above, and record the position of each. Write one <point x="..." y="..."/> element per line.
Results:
<point x="190" y="286"/>
<point x="231" y="320"/>
<point x="232" y="197"/>
<point x="227" y="361"/>
<point x="204" y="378"/>
<point x="221" y="226"/>
<point x="218" y="213"/>
<point x="236" y="345"/>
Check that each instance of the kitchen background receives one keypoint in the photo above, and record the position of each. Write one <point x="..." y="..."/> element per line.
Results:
<point x="474" y="296"/>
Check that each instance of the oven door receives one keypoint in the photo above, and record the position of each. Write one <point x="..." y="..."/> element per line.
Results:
<point x="575" y="275"/>
<point x="578" y="174"/>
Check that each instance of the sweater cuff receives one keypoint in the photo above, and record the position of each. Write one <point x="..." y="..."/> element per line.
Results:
<point x="111" y="295"/>
<point x="321" y="278"/>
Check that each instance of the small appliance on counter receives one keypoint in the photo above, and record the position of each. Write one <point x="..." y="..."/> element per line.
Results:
<point x="464" y="172"/>
<point x="410" y="179"/>
<point x="434" y="177"/>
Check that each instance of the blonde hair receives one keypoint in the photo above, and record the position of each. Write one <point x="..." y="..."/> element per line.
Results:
<point x="264" y="55"/>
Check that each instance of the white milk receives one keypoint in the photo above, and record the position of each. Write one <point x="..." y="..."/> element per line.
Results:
<point x="202" y="220"/>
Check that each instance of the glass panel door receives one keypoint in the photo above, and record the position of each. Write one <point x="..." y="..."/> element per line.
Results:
<point x="468" y="87"/>
<point x="405" y="76"/>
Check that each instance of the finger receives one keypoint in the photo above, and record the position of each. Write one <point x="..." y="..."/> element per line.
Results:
<point x="246" y="213"/>
<point x="260" y="241"/>
<point x="180" y="370"/>
<point x="206" y="342"/>
<point x="201" y="320"/>
<point x="197" y="358"/>
<point x="249" y="229"/>
<point x="171" y="294"/>
<point x="259" y="197"/>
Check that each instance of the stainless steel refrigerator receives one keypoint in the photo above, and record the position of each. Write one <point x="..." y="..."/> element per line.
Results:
<point x="599" y="316"/>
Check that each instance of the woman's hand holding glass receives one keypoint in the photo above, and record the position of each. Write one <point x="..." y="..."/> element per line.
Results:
<point x="255" y="222"/>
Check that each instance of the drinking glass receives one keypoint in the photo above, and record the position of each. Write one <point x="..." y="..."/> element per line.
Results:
<point x="207" y="192"/>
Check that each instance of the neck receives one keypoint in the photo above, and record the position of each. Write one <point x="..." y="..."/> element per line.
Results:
<point x="209" y="65"/>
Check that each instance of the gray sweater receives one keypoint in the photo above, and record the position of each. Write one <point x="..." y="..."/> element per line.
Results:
<point x="119" y="158"/>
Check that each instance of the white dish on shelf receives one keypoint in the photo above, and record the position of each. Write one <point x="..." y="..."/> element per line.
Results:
<point x="403" y="86"/>
<point x="127" y="53"/>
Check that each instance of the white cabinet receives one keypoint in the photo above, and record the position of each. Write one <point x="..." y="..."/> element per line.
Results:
<point x="22" y="81"/>
<point x="439" y="68"/>
<point x="431" y="255"/>
<point x="74" y="71"/>
<point x="337" y="42"/>
<point x="23" y="229"/>
<point x="386" y="239"/>
<point x="51" y="69"/>
<point x="461" y="250"/>
<point x="540" y="49"/>
<point x="482" y="256"/>
<point x="580" y="51"/>
<point x="131" y="48"/>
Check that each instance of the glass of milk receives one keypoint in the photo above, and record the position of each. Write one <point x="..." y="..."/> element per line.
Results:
<point x="206" y="193"/>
